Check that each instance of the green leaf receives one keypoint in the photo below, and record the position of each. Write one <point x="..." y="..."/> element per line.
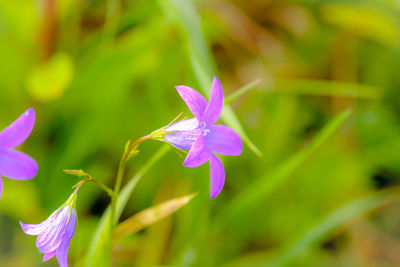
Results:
<point x="184" y="13"/>
<point x="264" y="186"/>
<point x="98" y="254"/>
<point x="151" y="215"/>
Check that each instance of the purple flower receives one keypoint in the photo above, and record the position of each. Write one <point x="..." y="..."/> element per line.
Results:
<point x="55" y="233"/>
<point x="202" y="137"/>
<point x="15" y="164"/>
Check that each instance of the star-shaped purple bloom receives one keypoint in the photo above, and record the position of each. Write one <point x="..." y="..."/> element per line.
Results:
<point x="54" y="234"/>
<point x="15" y="164"/>
<point x="202" y="137"/>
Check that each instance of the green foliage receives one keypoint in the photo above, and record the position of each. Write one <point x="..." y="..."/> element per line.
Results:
<point x="100" y="73"/>
<point x="98" y="249"/>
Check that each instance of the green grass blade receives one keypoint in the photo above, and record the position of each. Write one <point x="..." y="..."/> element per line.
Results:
<point x="241" y="91"/>
<point x="184" y="13"/>
<point x="335" y="219"/>
<point x="264" y="186"/>
<point x="98" y="250"/>
<point x="150" y="216"/>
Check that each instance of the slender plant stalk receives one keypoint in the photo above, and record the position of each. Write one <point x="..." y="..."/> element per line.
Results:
<point x="108" y="190"/>
<point x="120" y="174"/>
<point x="99" y="247"/>
<point x="121" y="170"/>
<point x="89" y="178"/>
<point x="78" y="186"/>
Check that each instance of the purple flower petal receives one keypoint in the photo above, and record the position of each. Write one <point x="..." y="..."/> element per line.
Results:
<point x="16" y="165"/>
<point x="35" y="229"/>
<point x="214" y="108"/>
<point x="217" y="174"/>
<point x="62" y="250"/>
<point x="50" y="238"/>
<point x="198" y="154"/>
<point x="48" y="256"/>
<point x="193" y="99"/>
<point x="55" y="233"/>
<point x="183" y="139"/>
<point x="183" y="125"/>
<point x="223" y="140"/>
<point x="19" y="130"/>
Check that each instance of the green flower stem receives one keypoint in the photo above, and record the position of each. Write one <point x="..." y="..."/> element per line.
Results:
<point x="81" y="173"/>
<point x="121" y="169"/>
<point x="108" y="190"/>
<point x="78" y="185"/>
<point x="100" y="249"/>
<point x="117" y="187"/>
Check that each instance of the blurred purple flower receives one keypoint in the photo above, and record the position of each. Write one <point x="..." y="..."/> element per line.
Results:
<point x="55" y="233"/>
<point x="202" y="137"/>
<point x="15" y="164"/>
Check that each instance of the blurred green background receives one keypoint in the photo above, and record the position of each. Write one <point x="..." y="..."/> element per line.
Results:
<point x="99" y="73"/>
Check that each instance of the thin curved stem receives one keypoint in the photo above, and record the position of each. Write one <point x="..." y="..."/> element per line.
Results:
<point x="81" y="173"/>
<point x="120" y="174"/>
